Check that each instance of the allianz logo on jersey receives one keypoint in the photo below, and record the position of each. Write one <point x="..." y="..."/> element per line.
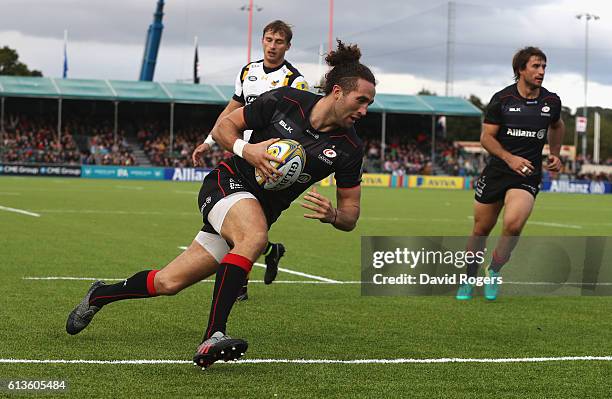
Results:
<point x="286" y="126"/>
<point x="526" y="133"/>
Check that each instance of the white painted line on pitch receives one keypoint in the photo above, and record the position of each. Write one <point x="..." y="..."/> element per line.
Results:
<point x="110" y="212"/>
<point x="324" y="361"/>
<point x="294" y="272"/>
<point x="331" y="282"/>
<point x="71" y="278"/>
<point x="7" y="193"/>
<point x="130" y="187"/>
<point x="186" y="192"/>
<point x="554" y="283"/>
<point x="21" y="211"/>
<point x="548" y="224"/>
<point x="399" y="219"/>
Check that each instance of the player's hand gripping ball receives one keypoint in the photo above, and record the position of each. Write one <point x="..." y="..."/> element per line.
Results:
<point x="293" y="162"/>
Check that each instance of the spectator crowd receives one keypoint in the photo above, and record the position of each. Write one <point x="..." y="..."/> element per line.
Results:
<point x="36" y="141"/>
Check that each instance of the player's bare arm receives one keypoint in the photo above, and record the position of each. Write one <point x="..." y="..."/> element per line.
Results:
<point x="344" y="217"/>
<point x="203" y="148"/>
<point x="518" y="164"/>
<point x="228" y="133"/>
<point x="556" y="131"/>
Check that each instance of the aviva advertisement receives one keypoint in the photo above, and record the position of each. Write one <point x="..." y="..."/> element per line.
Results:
<point x="410" y="181"/>
<point x="367" y="180"/>
<point x="376" y="180"/>
<point x="448" y="182"/>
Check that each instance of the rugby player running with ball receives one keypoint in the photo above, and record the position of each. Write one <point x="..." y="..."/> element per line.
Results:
<point x="240" y="211"/>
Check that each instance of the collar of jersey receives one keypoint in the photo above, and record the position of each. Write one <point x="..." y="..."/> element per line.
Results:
<point x="270" y="70"/>
<point x="527" y="100"/>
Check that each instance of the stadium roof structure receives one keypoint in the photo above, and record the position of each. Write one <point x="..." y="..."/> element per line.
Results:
<point x="182" y="93"/>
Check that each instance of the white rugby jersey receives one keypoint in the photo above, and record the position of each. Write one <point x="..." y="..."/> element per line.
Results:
<point x="255" y="79"/>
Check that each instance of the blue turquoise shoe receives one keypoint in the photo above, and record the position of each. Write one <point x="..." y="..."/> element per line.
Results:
<point x="491" y="290"/>
<point x="464" y="292"/>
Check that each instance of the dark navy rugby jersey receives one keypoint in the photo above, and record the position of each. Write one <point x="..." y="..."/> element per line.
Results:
<point x="285" y="113"/>
<point x="523" y="124"/>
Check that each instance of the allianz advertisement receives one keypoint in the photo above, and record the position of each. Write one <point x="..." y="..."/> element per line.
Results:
<point x="185" y="174"/>
<point x="577" y="186"/>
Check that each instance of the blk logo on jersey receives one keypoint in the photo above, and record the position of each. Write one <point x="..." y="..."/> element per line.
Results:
<point x="286" y="126"/>
<point x="515" y="109"/>
<point x="252" y="78"/>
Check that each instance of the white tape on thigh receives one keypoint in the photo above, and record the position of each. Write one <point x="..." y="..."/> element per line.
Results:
<point x="217" y="214"/>
<point x="214" y="244"/>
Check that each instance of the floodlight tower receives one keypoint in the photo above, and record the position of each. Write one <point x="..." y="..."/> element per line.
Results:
<point x="154" y="34"/>
<point x="587" y="17"/>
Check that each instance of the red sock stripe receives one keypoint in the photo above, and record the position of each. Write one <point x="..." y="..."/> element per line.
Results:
<point x="151" y="282"/>
<point x="238" y="260"/>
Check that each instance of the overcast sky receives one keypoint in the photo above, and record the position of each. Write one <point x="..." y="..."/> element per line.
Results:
<point x="405" y="42"/>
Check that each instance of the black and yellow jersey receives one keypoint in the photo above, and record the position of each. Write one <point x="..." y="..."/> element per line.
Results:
<point x="255" y="79"/>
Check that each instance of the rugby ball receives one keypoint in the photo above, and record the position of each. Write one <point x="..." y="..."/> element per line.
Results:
<point x="293" y="162"/>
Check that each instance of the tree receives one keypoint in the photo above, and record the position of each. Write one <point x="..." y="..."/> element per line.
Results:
<point x="474" y="99"/>
<point x="10" y="64"/>
<point x="426" y="92"/>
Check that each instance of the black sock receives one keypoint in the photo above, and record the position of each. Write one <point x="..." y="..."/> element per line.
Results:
<point x="473" y="266"/>
<point x="497" y="262"/>
<point x="244" y="287"/>
<point x="472" y="269"/>
<point x="230" y="277"/>
<point x="140" y="285"/>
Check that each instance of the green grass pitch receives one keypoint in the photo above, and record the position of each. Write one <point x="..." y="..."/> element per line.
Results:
<point x="112" y="229"/>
